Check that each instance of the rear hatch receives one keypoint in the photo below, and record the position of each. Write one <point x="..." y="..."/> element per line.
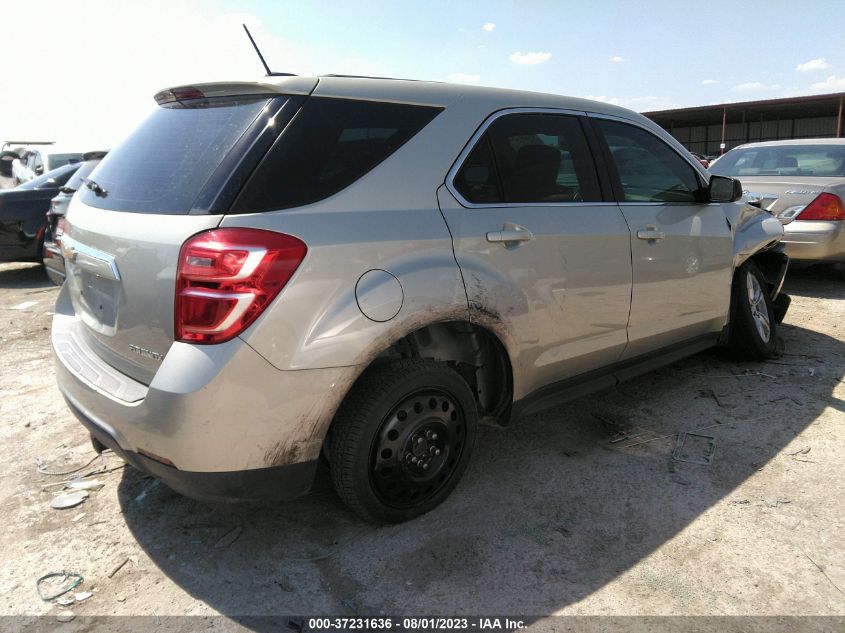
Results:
<point x="172" y="178"/>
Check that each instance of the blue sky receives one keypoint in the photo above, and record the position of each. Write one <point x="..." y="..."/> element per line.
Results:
<point x="105" y="58"/>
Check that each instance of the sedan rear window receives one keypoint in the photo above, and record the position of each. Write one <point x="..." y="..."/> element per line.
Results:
<point x="162" y="166"/>
<point x="821" y="161"/>
<point x="327" y="146"/>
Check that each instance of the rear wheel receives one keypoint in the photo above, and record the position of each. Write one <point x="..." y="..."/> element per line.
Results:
<point x="754" y="326"/>
<point x="402" y="439"/>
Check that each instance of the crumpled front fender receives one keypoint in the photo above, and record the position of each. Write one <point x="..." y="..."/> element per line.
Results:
<point x="754" y="230"/>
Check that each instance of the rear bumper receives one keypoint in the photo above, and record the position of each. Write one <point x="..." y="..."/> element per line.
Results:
<point x="815" y="241"/>
<point x="258" y="484"/>
<point x="233" y="426"/>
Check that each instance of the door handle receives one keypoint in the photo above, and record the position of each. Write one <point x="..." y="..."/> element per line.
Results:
<point x="650" y="233"/>
<point x="510" y="233"/>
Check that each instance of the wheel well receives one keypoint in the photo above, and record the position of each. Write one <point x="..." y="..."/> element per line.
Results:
<point x="772" y="264"/>
<point x="473" y="351"/>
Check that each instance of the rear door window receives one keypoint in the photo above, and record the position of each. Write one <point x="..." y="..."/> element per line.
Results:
<point x="648" y="169"/>
<point x="539" y="159"/>
<point x="327" y="146"/>
<point x="162" y="166"/>
<point x="478" y="179"/>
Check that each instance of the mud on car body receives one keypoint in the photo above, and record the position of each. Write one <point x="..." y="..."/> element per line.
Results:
<point x="359" y="270"/>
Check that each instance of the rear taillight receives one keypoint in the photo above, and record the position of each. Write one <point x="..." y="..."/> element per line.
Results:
<point x="826" y="207"/>
<point x="62" y="228"/>
<point x="226" y="277"/>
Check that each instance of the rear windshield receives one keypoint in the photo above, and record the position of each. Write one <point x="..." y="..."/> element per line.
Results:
<point x="162" y="166"/>
<point x="55" y="178"/>
<point x="822" y="161"/>
<point x="328" y="145"/>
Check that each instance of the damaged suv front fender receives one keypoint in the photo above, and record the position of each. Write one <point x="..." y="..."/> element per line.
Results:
<point x="754" y="231"/>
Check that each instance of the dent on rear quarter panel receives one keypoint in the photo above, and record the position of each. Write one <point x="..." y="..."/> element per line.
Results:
<point x="753" y="230"/>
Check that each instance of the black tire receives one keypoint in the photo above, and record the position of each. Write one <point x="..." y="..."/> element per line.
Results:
<point x="748" y="340"/>
<point x="402" y="439"/>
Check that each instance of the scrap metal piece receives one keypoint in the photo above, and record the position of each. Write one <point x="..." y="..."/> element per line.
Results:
<point x="694" y="448"/>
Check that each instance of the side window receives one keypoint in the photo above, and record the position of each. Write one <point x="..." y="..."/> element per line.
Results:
<point x="328" y="145"/>
<point x="530" y="158"/>
<point x="649" y="170"/>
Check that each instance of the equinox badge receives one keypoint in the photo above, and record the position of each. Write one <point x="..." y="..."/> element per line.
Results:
<point x="142" y="351"/>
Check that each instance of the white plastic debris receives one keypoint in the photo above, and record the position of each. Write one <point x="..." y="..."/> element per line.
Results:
<point x="65" y="616"/>
<point x="24" y="305"/>
<point x="78" y="517"/>
<point x="69" y="500"/>
<point x="65" y="602"/>
<point x="82" y="484"/>
<point x="83" y="595"/>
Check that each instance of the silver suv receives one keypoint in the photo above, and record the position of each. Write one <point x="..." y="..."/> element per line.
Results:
<point x="266" y="275"/>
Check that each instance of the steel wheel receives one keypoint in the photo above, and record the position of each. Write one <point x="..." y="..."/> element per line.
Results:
<point x="417" y="448"/>
<point x="402" y="439"/>
<point x="759" y="309"/>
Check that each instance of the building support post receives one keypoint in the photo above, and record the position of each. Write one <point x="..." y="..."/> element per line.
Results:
<point x="839" y="117"/>
<point x="722" y="143"/>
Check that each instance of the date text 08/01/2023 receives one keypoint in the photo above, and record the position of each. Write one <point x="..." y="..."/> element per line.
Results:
<point x="414" y="624"/>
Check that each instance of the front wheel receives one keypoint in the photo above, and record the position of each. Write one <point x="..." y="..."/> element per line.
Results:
<point x="402" y="439"/>
<point x="754" y="323"/>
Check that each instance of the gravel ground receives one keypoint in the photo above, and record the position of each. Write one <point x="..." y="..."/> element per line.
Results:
<point x="580" y="510"/>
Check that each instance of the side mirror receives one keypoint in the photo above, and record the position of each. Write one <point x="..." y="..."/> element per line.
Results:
<point x="724" y="189"/>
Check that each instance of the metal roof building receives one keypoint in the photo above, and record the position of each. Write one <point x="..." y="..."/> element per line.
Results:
<point x="714" y="129"/>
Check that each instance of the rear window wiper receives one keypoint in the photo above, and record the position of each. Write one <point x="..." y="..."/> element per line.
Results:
<point x="97" y="189"/>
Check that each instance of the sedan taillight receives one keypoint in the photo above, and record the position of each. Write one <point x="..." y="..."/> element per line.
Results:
<point x="826" y="207"/>
<point x="227" y="277"/>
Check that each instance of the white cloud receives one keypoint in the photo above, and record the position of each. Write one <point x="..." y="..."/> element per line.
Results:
<point x="640" y="104"/>
<point x="832" y="83"/>
<point x="616" y="59"/>
<point x="756" y="86"/>
<point x="463" y="78"/>
<point x="530" y="59"/>
<point x="489" y="26"/>
<point x="709" y="82"/>
<point x="819" y="63"/>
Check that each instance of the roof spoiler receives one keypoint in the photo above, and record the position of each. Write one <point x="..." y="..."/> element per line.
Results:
<point x="292" y="86"/>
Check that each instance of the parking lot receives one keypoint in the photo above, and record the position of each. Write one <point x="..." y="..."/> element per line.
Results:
<point x="581" y="510"/>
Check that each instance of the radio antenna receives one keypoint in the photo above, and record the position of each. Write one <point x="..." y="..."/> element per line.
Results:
<point x="261" y="57"/>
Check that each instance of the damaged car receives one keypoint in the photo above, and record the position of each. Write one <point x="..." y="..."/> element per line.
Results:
<point x="267" y="275"/>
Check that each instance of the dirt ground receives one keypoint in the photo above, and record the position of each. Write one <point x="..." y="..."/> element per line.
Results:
<point x="580" y="510"/>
